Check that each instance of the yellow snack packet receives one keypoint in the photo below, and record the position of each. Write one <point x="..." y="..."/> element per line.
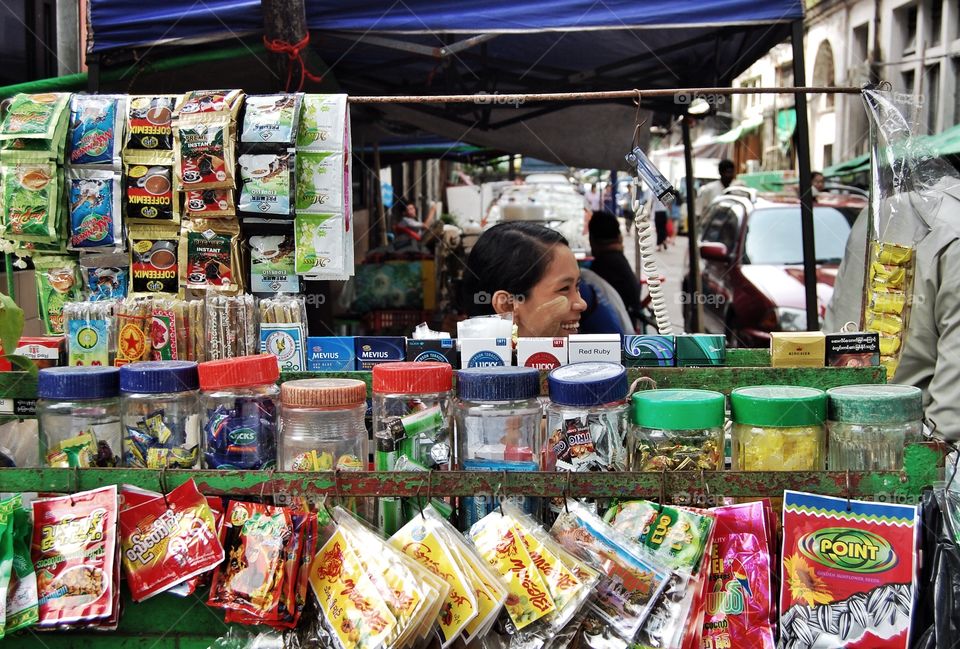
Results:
<point x="891" y="253"/>
<point x="562" y="584"/>
<point x="884" y="323"/>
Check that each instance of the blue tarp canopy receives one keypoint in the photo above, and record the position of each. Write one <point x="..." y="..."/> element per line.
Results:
<point x="431" y="47"/>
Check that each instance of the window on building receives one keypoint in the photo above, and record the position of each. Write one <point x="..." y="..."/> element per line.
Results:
<point x="906" y="19"/>
<point x="935" y="23"/>
<point x="785" y="75"/>
<point x="908" y="82"/>
<point x="827" y="155"/>
<point x="956" y="95"/>
<point x="932" y="98"/>
<point x="824" y="74"/>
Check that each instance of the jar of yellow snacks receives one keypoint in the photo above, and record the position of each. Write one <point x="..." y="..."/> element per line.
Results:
<point x="778" y="428"/>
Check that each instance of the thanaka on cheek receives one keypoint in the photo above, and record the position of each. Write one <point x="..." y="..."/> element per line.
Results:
<point x="546" y="318"/>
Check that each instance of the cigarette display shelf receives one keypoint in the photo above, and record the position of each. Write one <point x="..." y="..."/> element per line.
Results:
<point x="168" y="621"/>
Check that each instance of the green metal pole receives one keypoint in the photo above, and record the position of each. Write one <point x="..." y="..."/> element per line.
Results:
<point x="8" y="269"/>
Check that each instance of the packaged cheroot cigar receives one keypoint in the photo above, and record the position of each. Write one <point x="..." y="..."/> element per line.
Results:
<point x="133" y="321"/>
<point x="89" y="329"/>
<point x="170" y="330"/>
<point x="283" y="330"/>
<point x="232" y="326"/>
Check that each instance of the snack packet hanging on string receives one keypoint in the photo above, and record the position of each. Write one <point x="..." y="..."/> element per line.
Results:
<point x="74" y="555"/>
<point x="96" y="129"/>
<point x="738" y="605"/>
<point x="271" y="120"/>
<point x="209" y="203"/>
<point x="148" y="187"/>
<point x="107" y="275"/>
<point x="250" y="579"/>
<point x="528" y="598"/>
<point x="93" y="200"/>
<point x="205" y="156"/>
<point x="31" y="200"/>
<point x="419" y="540"/>
<point x="168" y="540"/>
<point x="153" y="259"/>
<point x="150" y="123"/>
<point x="848" y="573"/>
<point x="675" y="537"/>
<point x="209" y="101"/>
<point x="189" y="587"/>
<point x="8" y="508"/>
<point x="58" y="282"/>
<point x="631" y="583"/>
<point x="267" y="183"/>
<point x="21" y="598"/>
<point x="397" y="579"/>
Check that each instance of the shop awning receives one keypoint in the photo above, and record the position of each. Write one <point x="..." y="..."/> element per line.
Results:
<point x="786" y="125"/>
<point x="744" y="127"/>
<point x="941" y="144"/>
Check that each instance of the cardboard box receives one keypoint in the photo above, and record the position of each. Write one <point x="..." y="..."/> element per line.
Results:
<point x="797" y="349"/>
<point x="371" y="350"/>
<point x="485" y="352"/>
<point x="330" y="354"/>
<point x="856" y="349"/>
<point x="594" y="347"/>
<point x="701" y="350"/>
<point x="649" y="351"/>
<point x="285" y="341"/>
<point x="542" y="353"/>
<point x="441" y="351"/>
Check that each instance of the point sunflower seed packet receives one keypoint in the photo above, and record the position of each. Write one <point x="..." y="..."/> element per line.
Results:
<point x="848" y="573"/>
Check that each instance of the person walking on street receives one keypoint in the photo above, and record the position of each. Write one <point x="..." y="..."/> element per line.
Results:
<point x="728" y="174"/>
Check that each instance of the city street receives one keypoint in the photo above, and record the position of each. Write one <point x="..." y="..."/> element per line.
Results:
<point x="671" y="264"/>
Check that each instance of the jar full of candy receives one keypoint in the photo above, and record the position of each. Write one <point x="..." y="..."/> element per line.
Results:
<point x="79" y="415"/>
<point x="240" y="412"/>
<point x="778" y="428"/>
<point x="161" y="414"/>
<point x="677" y="430"/>
<point x="587" y="418"/>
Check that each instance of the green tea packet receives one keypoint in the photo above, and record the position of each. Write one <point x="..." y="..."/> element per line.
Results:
<point x="31" y="200"/>
<point x="7" y="509"/>
<point x="58" y="282"/>
<point x="319" y="241"/>
<point x="676" y="537"/>
<point x="37" y="123"/>
<point x="319" y="183"/>
<point x="21" y="600"/>
<point x="322" y="123"/>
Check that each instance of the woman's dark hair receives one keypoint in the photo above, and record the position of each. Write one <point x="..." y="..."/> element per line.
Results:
<point x="509" y="257"/>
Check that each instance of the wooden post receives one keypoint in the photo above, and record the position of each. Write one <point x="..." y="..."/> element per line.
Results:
<point x="283" y="20"/>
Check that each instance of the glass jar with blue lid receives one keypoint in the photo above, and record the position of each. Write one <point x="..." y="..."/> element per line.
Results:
<point x="79" y="414"/>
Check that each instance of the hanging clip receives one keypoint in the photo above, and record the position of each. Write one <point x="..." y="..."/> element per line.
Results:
<point x="503" y="492"/>
<point x="646" y="381"/>
<point x="336" y="487"/>
<point x="164" y="487"/>
<point x="419" y="500"/>
<point x="76" y="485"/>
<point x="663" y="490"/>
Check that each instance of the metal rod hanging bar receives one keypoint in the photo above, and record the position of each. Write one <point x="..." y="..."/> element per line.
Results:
<point x="504" y="98"/>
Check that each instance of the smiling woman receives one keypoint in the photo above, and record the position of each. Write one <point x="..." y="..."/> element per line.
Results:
<point x="529" y="270"/>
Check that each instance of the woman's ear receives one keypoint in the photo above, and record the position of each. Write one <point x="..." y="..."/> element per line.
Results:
<point x="502" y="302"/>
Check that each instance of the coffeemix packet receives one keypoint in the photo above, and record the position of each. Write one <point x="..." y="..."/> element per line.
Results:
<point x="96" y="129"/>
<point x="153" y="259"/>
<point x="205" y="152"/>
<point x="210" y="255"/>
<point x="106" y="276"/>
<point x="271" y="120"/>
<point x="58" y="282"/>
<point x="209" y="203"/>
<point x="267" y="183"/>
<point x="270" y="250"/>
<point x="93" y="200"/>
<point x="150" y="123"/>
<point x="31" y="199"/>
<point x="148" y="187"/>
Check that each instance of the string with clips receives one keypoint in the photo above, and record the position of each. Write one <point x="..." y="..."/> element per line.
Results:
<point x="646" y="231"/>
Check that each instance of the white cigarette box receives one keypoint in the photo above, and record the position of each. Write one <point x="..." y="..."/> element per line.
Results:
<point x="542" y="353"/>
<point x="485" y="352"/>
<point x="594" y="347"/>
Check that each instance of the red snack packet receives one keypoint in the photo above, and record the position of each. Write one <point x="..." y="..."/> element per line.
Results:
<point x="74" y="554"/>
<point x="738" y="603"/>
<point x="189" y="587"/>
<point x="252" y="577"/>
<point x="167" y="540"/>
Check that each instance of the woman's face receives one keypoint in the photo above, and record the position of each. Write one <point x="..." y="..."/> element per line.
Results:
<point x="554" y="305"/>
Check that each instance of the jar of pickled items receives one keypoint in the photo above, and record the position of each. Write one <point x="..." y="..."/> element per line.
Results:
<point x="869" y="425"/>
<point x="239" y="406"/>
<point x="677" y="430"/>
<point x="161" y="414"/>
<point x="79" y="415"/>
<point x="778" y="428"/>
<point x="587" y="418"/>
<point x="321" y="425"/>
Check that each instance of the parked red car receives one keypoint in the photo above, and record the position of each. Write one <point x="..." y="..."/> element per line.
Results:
<point x="752" y="263"/>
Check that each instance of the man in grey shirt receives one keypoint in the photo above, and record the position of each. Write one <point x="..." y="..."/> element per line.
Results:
<point x="930" y="357"/>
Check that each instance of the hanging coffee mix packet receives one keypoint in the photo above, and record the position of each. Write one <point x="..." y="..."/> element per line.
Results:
<point x="93" y="199"/>
<point x="149" y="123"/>
<point x="35" y="123"/>
<point x="209" y="204"/>
<point x="209" y="255"/>
<point x="107" y="276"/>
<point x="271" y="251"/>
<point x="205" y="153"/>
<point x="267" y="183"/>
<point x="96" y="128"/>
<point x="58" y="282"/>
<point x="271" y="119"/>
<point x="209" y="101"/>
<point x="153" y="259"/>
<point x="31" y="200"/>
<point x="148" y="187"/>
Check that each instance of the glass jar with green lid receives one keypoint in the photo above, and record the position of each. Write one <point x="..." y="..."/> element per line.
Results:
<point x="869" y="425"/>
<point x="778" y="428"/>
<point x="677" y="430"/>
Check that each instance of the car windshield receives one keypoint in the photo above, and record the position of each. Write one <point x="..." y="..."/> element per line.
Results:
<point x="774" y="236"/>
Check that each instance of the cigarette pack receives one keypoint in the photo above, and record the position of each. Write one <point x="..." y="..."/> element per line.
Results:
<point x="797" y="349"/>
<point x="371" y="350"/>
<point x="857" y="349"/>
<point x="542" y="353"/>
<point x="45" y="351"/>
<point x="485" y="352"/>
<point x="649" y="351"/>
<point x="285" y="341"/>
<point x="594" y="347"/>
<point x="330" y="354"/>
<point x="442" y="351"/>
<point x="701" y="350"/>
